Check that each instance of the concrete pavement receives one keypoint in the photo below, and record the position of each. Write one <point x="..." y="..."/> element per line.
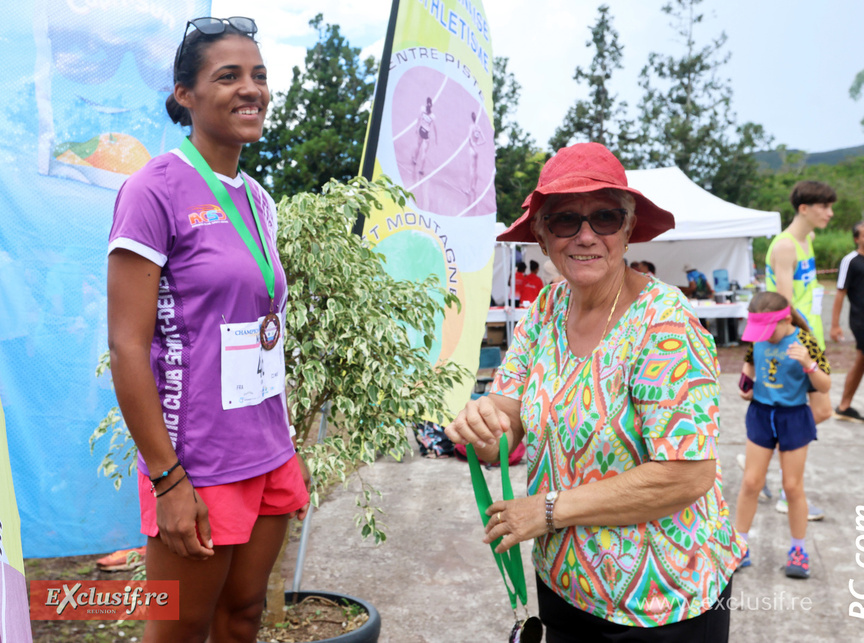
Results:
<point x="434" y="581"/>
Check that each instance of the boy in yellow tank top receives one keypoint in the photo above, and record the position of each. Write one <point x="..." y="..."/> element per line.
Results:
<point x="791" y="271"/>
<point x="791" y="266"/>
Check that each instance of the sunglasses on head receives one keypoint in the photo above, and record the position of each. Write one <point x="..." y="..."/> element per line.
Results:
<point x="213" y="26"/>
<point x="603" y="222"/>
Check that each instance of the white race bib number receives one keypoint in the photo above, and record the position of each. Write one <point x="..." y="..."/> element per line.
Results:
<point x="250" y="374"/>
<point x="816" y="304"/>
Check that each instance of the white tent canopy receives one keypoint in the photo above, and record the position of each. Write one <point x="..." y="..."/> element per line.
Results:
<point x="501" y="267"/>
<point x="709" y="233"/>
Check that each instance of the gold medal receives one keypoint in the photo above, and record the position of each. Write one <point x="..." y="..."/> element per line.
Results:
<point x="270" y="331"/>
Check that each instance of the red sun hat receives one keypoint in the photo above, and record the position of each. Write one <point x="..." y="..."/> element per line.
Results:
<point x="583" y="168"/>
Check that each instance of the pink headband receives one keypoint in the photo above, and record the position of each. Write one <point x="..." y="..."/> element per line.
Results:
<point x="760" y="326"/>
<point x="770" y="317"/>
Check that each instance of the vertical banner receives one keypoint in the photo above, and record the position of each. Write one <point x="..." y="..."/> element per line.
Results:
<point x="83" y="107"/>
<point x="14" y="610"/>
<point x="431" y="132"/>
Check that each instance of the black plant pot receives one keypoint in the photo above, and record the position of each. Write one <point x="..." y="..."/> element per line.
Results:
<point x="366" y="633"/>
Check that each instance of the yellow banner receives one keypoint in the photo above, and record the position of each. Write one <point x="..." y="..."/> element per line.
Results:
<point x="435" y="138"/>
<point x="14" y="615"/>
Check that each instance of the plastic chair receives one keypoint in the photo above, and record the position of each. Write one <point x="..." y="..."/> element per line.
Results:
<point x="490" y="357"/>
<point x="721" y="279"/>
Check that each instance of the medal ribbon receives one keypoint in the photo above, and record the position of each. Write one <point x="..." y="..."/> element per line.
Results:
<point x="227" y="205"/>
<point x="510" y="562"/>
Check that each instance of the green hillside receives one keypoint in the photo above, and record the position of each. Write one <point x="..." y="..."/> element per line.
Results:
<point x="774" y="159"/>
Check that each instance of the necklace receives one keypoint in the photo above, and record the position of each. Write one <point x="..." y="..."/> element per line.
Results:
<point x="611" y="312"/>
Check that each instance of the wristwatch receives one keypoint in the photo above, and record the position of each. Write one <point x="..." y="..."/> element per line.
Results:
<point x="551" y="497"/>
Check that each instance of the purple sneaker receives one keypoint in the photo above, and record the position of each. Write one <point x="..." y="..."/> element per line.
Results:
<point x="798" y="563"/>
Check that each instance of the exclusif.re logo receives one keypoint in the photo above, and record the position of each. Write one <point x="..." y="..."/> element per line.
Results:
<point x="104" y="600"/>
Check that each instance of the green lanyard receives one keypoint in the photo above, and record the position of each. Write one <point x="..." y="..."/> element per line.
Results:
<point x="227" y="205"/>
<point x="510" y="562"/>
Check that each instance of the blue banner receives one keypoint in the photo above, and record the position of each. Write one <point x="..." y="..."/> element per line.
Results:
<point x="83" y="107"/>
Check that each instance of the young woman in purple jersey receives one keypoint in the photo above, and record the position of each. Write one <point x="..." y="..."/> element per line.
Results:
<point x="196" y="299"/>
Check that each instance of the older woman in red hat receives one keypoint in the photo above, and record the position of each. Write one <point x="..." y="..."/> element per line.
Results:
<point x="612" y="382"/>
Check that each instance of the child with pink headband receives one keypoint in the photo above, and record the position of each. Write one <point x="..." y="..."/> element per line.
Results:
<point x="784" y="363"/>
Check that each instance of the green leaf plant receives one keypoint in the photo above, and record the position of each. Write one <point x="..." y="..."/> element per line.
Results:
<point x="347" y="339"/>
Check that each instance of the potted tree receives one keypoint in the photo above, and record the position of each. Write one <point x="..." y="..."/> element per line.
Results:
<point x="357" y="344"/>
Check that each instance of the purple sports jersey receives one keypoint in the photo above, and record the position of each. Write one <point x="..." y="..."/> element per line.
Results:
<point x="166" y="213"/>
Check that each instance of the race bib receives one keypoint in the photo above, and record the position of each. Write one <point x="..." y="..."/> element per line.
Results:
<point x="816" y="304"/>
<point x="250" y="374"/>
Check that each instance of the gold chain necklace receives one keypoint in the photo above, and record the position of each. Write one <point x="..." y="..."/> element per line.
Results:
<point x="611" y="312"/>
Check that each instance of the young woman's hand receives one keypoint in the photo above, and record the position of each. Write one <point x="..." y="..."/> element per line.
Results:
<point x="183" y="521"/>
<point x="300" y="514"/>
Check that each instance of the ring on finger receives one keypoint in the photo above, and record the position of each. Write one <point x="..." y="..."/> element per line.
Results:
<point x="499" y="517"/>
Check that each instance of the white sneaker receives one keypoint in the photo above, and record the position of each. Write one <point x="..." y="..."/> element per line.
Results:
<point x="813" y="513"/>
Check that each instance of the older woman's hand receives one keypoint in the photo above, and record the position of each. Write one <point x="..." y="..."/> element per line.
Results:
<point x="480" y="423"/>
<point x="515" y="521"/>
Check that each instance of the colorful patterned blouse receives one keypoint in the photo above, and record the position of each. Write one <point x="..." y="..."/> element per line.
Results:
<point x="649" y="391"/>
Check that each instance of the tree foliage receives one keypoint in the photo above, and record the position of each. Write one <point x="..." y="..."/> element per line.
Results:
<point x="517" y="159"/>
<point x="846" y="177"/>
<point x="601" y="118"/>
<point x="857" y="88"/>
<point x="686" y="115"/>
<point x="317" y="128"/>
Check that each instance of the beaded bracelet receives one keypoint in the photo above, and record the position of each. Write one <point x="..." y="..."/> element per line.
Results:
<point x="159" y="495"/>
<point x="164" y="474"/>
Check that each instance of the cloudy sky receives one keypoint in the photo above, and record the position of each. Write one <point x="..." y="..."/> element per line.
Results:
<point x="791" y="67"/>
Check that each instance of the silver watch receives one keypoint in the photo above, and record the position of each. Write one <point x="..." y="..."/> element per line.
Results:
<point x="551" y="497"/>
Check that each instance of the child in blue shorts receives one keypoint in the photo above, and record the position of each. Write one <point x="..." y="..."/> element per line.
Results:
<point x="783" y="364"/>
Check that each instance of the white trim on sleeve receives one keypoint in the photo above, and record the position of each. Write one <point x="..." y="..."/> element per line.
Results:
<point x="844" y="270"/>
<point x="139" y="249"/>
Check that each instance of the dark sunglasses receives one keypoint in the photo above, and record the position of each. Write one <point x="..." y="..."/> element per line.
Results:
<point x="212" y="26"/>
<point x="603" y="222"/>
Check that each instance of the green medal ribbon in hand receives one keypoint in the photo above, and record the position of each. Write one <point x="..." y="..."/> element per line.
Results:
<point x="509" y="562"/>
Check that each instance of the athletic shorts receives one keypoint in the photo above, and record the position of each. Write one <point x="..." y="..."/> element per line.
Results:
<point x="790" y="427"/>
<point x="424" y="133"/>
<point x="858" y="334"/>
<point x="234" y="507"/>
